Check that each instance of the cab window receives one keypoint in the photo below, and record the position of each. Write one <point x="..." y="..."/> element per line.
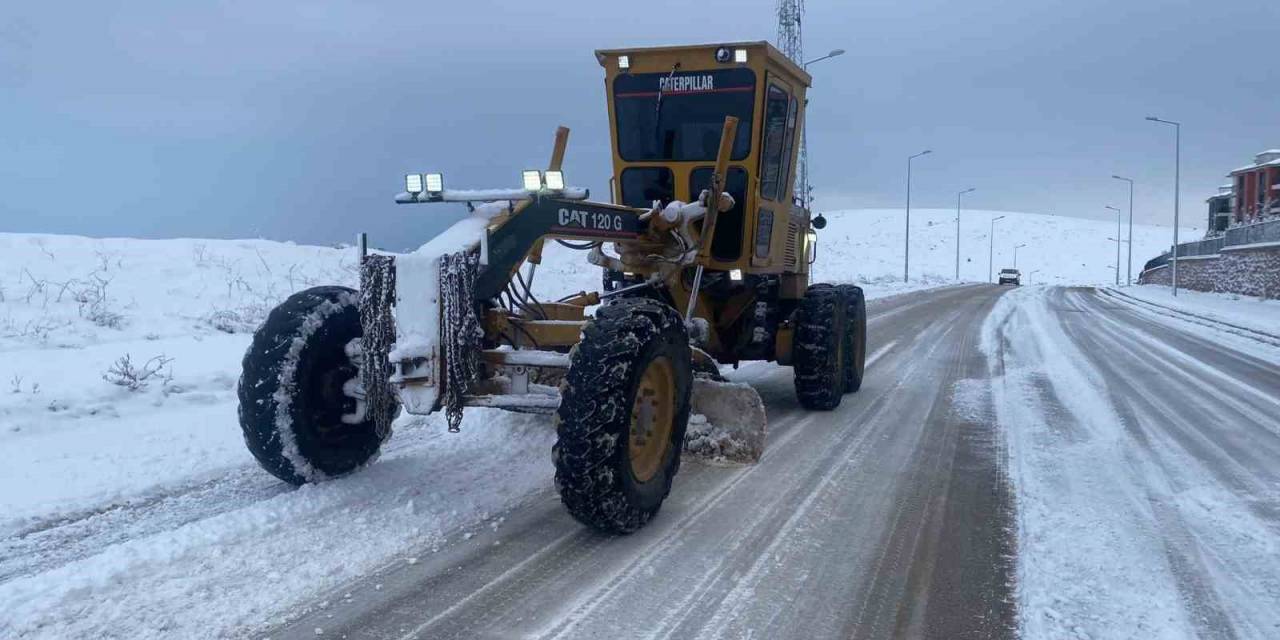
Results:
<point x="772" y="177"/>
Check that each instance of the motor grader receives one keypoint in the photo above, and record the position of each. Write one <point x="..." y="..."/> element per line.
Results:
<point x="705" y="258"/>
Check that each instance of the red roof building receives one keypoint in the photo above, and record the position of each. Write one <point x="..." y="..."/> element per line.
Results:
<point x="1257" y="187"/>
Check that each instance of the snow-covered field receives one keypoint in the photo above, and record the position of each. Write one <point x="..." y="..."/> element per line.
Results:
<point x="121" y="507"/>
<point x="867" y="244"/>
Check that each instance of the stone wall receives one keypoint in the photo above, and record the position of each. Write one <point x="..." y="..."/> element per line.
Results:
<point x="1252" y="270"/>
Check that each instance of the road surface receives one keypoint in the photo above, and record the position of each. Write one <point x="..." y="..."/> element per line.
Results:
<point x="1035" y="462"/>
<point x="890" y="516"/>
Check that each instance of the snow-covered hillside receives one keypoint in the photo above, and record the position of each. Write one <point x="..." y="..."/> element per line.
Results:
<point x="867" y="245"/>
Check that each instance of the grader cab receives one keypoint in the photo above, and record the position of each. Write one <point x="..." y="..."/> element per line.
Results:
<point x="704" y="254"/>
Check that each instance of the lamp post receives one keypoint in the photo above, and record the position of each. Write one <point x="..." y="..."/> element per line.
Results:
<point x="991" y="249"/>
<point x="834" y="53"/>
<point x="1177" y="177"/>
<point x="958" y="230"/>
<point x="906" y="243"/>
<point x="1015" y="254"/>
<point x="804" y="139"/>
<point x="1119" y="235"/>
<point x="1128" y="276"/>
<point x="1031" y="274"/>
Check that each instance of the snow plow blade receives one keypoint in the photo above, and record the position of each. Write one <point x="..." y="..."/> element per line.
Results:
<point x="727" y="422"/>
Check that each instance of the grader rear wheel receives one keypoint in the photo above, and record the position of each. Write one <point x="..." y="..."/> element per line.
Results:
<point x="821" y="344"/>
<point x="855" y="352"/>
<point x="622" y="416"/>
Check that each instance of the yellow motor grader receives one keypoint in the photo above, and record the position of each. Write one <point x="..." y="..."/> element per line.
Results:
<point x="704" y="253"/>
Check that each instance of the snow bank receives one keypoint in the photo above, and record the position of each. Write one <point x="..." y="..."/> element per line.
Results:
<point x="1253" y="313"/>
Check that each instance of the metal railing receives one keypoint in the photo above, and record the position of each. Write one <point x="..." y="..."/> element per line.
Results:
<point x="1264" y="231"/>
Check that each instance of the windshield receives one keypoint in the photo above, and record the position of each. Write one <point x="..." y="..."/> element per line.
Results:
<point x="679" y="116"/>
<point x="1008" y="271"/>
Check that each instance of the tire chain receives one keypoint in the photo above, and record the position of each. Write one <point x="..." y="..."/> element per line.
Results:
<point x="461" y="331"/>
<point x="377" y="294"/>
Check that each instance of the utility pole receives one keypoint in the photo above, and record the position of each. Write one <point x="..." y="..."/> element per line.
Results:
<point x="1177" y="178"/>
<point x="1119" y="218"/>
<point x="806" y="191"/>
<point x="1128" y="277"/>
<point x="906" y="249"/>
<point x="991" y="250"/>
<point x="958" y="230"/>
<point x="791" y="43"/>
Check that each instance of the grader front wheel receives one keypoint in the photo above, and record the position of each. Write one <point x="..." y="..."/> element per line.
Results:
<point x="622" y="417"/>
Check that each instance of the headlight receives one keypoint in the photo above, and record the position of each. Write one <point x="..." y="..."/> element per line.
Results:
<point x="735" y="275"/>
<point x="435" y="182"/>
<point x="532" y="179"/>
<point x="555" y="180"/>
<point x="413" y="183"/>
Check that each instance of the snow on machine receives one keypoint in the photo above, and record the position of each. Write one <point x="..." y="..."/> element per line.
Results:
<point x="705" y="257"/>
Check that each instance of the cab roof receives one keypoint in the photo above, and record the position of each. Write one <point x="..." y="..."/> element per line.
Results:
<point x="774" y="56"/>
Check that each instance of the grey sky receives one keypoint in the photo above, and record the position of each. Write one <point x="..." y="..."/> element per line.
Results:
<point x="297" y="120"/>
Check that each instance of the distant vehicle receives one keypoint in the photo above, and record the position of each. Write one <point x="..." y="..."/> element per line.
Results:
<point x="1010" y="276"/>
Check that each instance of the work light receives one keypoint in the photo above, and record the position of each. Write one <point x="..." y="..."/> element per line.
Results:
<point x="740" y="55"/>
<point x="413" y="183"/>
<point x="555" y="180"/>
<point x="532" y="179"/>
<point x="624" y="62"/>
<point x="435" y="182"/>
<point x="735" y="275"/>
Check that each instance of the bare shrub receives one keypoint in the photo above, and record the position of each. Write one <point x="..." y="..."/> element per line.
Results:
<point x="123" y="373"/>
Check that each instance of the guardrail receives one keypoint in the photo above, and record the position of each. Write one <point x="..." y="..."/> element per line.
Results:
<point x="1268" y="231"/>
<point x="1265" y="231"/>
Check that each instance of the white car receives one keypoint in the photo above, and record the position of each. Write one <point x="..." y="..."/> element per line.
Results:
<point x="1010" y="276"/>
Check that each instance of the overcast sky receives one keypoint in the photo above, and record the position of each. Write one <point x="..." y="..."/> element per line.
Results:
<point x="297" y="120"/>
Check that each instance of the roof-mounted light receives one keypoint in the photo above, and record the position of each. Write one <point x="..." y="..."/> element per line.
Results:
<point x="624" y="62"/>
<point x="723" y="55"/>
<point x="434" y="182"/>
<point x="532" y="179"/>
<point x="740" y="56"/>
<point x="413" y="183"/>
<point x="554" y="180"/>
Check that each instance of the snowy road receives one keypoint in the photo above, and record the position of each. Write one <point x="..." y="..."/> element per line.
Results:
<point x="1146" y="455"/>
<point x="887" y="517"/>
<point x="1035" y="462"/>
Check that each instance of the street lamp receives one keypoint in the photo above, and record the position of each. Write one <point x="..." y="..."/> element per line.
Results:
<point x="991" y="249"/>
<point x="1177" y="177"/>
<point x="834" y="53"/>
<point x="1031" y="274"/>
<point x="1128" y="277"/>
<point x="1015" y="254"/>
<point x="906" y="252"/>
<point x="958" y="230"/>
<point x="804" y="140"/>
<point x="1119" y="235"/>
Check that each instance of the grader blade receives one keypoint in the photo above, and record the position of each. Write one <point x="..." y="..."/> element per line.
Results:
<point x="727" y="423"/>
